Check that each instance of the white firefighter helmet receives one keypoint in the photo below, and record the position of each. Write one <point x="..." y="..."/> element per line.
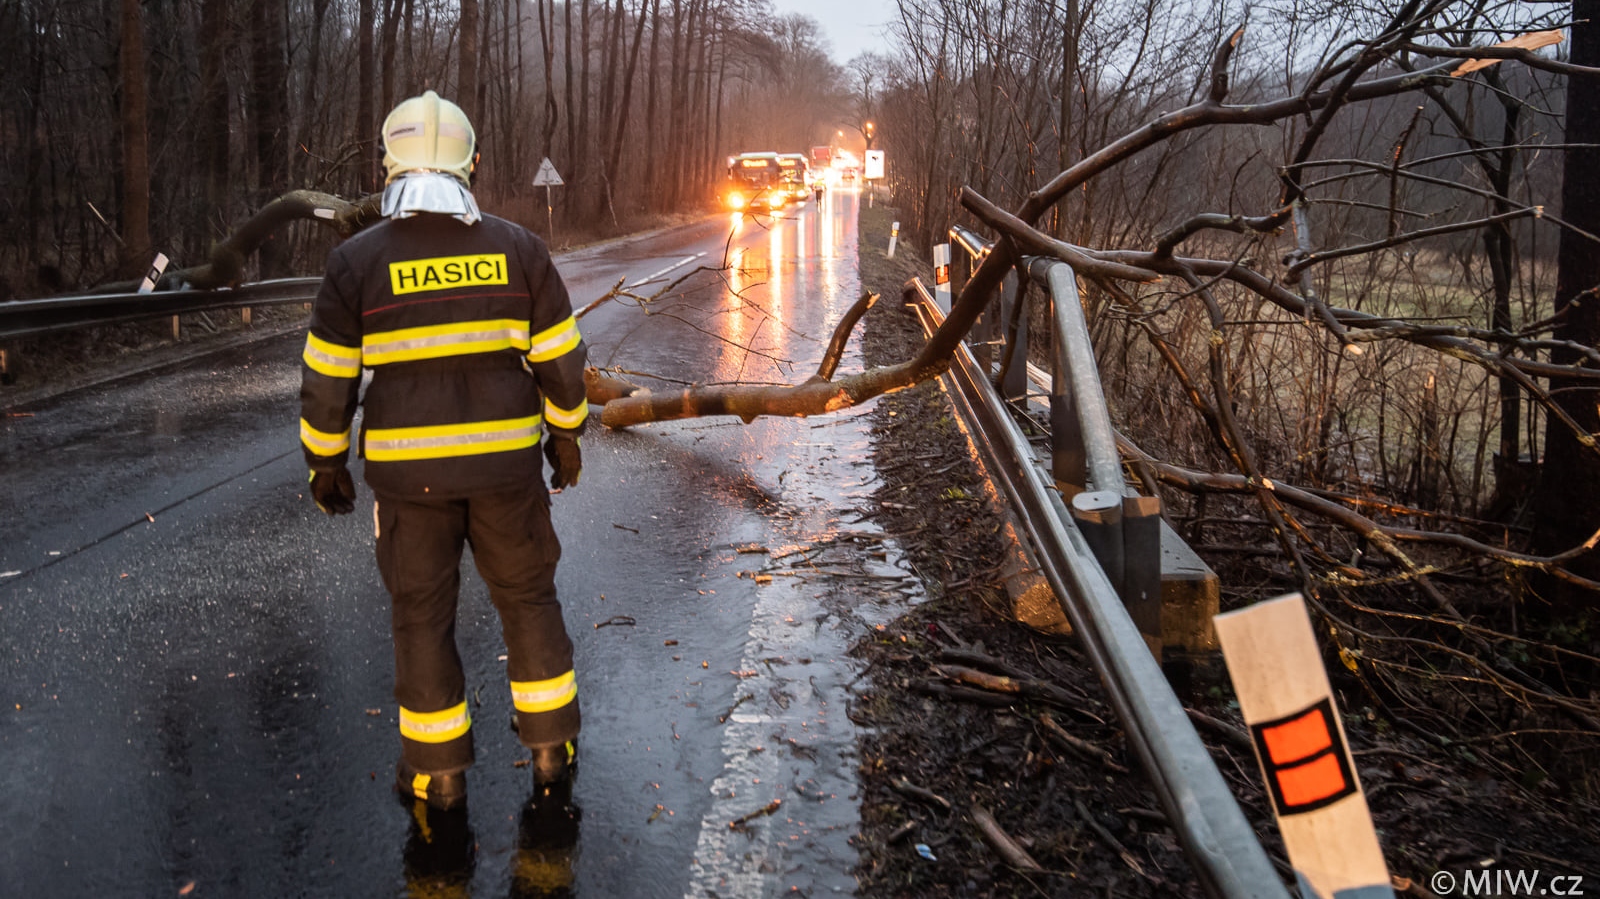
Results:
<point x="428" y="134"/>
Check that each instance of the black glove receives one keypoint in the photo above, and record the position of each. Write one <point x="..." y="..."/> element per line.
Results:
<point x="333" y="491"/>
<point x="566" y="461"/>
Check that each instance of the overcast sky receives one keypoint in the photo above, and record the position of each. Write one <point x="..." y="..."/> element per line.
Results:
<point x="852" y="26"/>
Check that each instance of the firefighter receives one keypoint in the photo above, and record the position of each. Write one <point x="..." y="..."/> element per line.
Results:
<point x="474" y="354"/>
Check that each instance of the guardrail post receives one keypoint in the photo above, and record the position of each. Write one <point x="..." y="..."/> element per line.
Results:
<point x="1014" y="306"/>
<point x="1141" y="566"/>
<point x="979" y="339"/>
<point x="1069" y="457"/>
<point x="1099" y="516"/>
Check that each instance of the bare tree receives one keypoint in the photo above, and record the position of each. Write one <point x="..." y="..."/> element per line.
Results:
<point x="1570" y="490"/>
<point x="135" y="143"/>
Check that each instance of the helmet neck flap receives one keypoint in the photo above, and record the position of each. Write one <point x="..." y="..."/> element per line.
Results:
<point x="412" y="192"/>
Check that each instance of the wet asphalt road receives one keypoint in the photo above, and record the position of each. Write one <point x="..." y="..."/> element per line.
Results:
<point x="195" y="662"/>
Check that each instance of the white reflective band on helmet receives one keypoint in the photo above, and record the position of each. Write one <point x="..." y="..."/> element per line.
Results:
<point x="553" y="341"/>
<point x="438" y="341"/>
<point x="323" y="443"/>
<point x="544" y="695"/>
<point x="431" y="134"/>
<point x="445" y="441"/>
<point x="331" y="359"/>
<point x="435" y="727"/>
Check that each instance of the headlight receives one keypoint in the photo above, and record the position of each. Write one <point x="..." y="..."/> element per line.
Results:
<point x="736" y="200"/>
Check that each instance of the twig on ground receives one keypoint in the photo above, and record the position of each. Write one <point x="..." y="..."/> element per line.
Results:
<point x="1055" y="732"/>
<point x="907" y="788"/>
<point x="963" y="694"/>
<point x="1110" y="840"/>
<point x="1233" y="735"/>
<point x="767" y="809"/>
<point x="723" y="718"/>
<point x="1014" y="854"/>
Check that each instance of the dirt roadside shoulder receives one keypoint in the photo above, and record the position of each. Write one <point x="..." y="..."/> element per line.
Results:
<point x="938" y="758"/>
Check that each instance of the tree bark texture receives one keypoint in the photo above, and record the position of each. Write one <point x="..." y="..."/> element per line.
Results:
<point x="1567" y="504"/>
<point x="135" y="143"/>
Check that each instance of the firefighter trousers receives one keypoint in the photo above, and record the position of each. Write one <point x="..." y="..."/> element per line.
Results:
<point x="515" y="549"/>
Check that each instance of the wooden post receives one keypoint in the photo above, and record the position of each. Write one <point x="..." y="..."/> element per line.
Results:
<point x="1305" y="759"/>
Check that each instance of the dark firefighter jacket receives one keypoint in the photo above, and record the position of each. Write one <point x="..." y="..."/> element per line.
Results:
<point x="469" y="333"/>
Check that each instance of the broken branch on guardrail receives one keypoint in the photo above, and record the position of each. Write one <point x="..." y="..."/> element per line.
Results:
<point x="226" y="263"/>
<point x="818" y="395"/>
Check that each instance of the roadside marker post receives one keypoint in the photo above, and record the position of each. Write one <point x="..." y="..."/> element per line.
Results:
<point x="148" y="285"/>
<point x="157" y="267"/>
<point x="894" y="236"/>
<point x="547" y="177"/>
<point x="1288" y="704"/>
<point x="941" y="275"/>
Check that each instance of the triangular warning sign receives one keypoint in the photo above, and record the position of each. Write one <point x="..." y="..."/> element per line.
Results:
<point x="547" y="176"/>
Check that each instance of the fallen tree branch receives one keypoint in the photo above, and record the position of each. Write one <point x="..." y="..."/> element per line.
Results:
<point x="225" y="265"/>
<point x="1385" y="538"/>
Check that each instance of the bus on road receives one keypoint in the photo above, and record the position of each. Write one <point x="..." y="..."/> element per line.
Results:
<point x="755" y="181"/>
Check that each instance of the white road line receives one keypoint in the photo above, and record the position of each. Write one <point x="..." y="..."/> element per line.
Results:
<point x="731" y="862"/>
<point x="674" y="266"/>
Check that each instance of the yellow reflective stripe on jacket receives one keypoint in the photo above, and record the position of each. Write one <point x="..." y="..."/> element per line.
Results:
<point x="544" y="695"/>
<point x="331" y="359"/>
<point x="552" y="342"/>
<point x="438" y="341"/>
<point x="323" y="443"/>
<point x="435" y="727"/>
<point x="565" y="418"/>
<point x="444" y="441"/>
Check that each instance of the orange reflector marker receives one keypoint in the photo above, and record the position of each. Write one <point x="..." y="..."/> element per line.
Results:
<point x="941" y="275"/>
<point x="1304" y="760"/>
<point x="1298" y="738"/>
<point x="1285" y="698"/>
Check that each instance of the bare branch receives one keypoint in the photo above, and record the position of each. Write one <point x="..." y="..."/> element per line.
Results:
<point x="1216" y="221"/>
<point x="1311" y="259"/>
<point x="1526" y="57"/>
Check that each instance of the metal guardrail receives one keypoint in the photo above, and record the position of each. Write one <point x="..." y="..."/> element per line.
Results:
<point x="31" y="318"/>
<point x="1074" y="545"/>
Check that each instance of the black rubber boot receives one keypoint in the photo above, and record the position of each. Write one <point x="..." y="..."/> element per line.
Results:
<point x="554" y="764"/>
<point x="439" y="791"/>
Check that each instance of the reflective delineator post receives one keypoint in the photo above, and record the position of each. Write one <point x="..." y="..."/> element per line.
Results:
<point x="1286" y="700"/>
<point x="894" y="236"/>
<point x="941" y="275"/>
<point x="148" y="285"/>
<point x="154" y="274"/>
